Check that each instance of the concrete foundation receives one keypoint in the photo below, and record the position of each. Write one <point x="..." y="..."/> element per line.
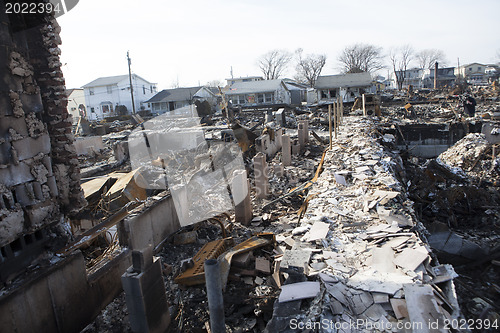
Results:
<point x="429" y="140"/>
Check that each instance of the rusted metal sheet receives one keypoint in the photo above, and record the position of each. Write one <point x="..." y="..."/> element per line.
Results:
<point x="196" y="274"/>
<point x="259" y="240"/>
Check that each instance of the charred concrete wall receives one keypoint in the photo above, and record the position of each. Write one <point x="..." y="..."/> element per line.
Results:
<point x="428" y="140"/>
<point x="39" y="174"/>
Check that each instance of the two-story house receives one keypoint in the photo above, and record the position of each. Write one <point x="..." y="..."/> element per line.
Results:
<point x="345" y="86"/>
<point x="111" y="96"/>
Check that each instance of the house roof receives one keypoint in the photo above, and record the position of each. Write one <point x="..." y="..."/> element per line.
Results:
<point x="174" y="95"/>
<point x="110" y="80"/>
<point x="344" y="80"/>
<point x="254" y="87"/>
<point x="245" y="77"/>
<point x="70" y="91"/>
<point x="473" y="63"/>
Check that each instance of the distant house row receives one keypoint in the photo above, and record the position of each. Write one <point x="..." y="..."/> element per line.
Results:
<point x="474" y="74"/>
<point x="111" y="96"/>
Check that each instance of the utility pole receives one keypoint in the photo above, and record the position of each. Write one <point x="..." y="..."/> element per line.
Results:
<point x="130" y="81"/>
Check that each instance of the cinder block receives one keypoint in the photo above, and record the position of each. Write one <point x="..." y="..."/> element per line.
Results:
<point x="47" y="161"/>
<point x="37" y="190"/>
<point x="146" y="299"/>
<point x="31" y="103"/>
<point x="16" y="174"/>
<point x="51" y="183"/>
<point x="25" y="194"/>
<point x="29" y="147"/>
<point x="5" y="105"/>
<point x="17" y="124"/>
<point x="5" y="154"/>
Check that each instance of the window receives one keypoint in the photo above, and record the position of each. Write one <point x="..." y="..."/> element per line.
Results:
<point x="91" y="91"/>
<point x="143" y="90"/>
<point x="109" y="89"/>
<point x="92" y="110"/>
<point x="479" y="69"/>
<point x="269" y="97"/>
<point x="151" y="89"/>
<point x="260" y="98"/>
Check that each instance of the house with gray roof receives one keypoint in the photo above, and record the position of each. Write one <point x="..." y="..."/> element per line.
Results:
<point x="346" y="86"/>
<point x="105" y="94"/>
<point x="263" y="93"/>
<point x="171" y="99"/>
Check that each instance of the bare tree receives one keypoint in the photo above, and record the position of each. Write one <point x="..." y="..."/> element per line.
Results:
<point x="360" y="58"/>
<point x="309" y="67"/>
<point x="273" y="63"/>
<point x="427" y="58"/>
<point x="400" y="59"/>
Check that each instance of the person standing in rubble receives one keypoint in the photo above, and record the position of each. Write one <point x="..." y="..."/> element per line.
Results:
<point x="470" y="105"/>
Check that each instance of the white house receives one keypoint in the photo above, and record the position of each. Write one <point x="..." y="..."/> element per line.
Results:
<point x="172" y="99"/>
<point x="76" y="103"/>
<point x="346" y="86"/>
<point x="105" y="94"/>
<point x="259" y="93"/>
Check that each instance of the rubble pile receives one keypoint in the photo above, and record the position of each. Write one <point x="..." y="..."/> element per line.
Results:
<point x="456" y="197"/>
<point x="465" y="153"/>
<point x="361" y="246"/>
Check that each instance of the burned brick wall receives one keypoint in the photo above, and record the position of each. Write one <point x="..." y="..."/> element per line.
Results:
<point x="39" y="173"/>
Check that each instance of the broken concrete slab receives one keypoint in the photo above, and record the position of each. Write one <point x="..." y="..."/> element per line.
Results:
<point x="300" y="290"/>
<point x="318" y="231"/>
<point x="423" y="309"/>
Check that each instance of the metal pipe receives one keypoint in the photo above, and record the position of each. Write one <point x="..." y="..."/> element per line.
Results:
<point x="214" y="295"/>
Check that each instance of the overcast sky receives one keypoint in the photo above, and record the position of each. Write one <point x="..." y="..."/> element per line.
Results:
<point x="195" y="41"/>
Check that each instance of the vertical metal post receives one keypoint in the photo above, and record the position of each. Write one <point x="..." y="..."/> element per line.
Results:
<point x="214" y="295"/>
